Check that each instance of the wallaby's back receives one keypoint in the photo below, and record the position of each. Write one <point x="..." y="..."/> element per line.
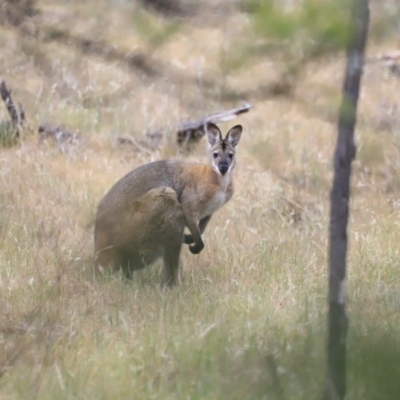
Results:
<point x="136" y="183"/>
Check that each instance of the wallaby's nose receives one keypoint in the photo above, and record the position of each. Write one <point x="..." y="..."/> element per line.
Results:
<point x="223" y="167"/>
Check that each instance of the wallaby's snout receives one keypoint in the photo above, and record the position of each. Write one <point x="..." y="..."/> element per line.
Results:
<point x="223" y="166"/>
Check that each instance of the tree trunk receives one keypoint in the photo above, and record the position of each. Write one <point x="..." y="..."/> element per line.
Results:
<point x="335" y="381"/>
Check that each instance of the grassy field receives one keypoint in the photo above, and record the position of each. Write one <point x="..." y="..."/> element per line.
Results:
<point x="248" y="320"/>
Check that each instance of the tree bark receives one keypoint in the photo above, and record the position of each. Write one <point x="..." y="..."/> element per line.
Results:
<point x="335" y="381"/>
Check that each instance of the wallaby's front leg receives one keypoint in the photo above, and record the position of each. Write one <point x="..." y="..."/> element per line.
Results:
<point x="188" y="239"/>
<point x="198" y="244"/>
<point x="191" y="223"/>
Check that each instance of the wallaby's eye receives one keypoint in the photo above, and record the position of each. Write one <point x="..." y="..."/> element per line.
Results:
<point x="231" y="155"/>
<point x="215" y="155"/>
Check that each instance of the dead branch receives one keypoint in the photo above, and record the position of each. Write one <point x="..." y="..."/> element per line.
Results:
<point x="195" y="130"/>
<point x="10" y="130"/>
<point x="6" y="96"/>
<point x="388" y="60"/>
<point x="392" y="55"/>
<point x="21" y="113"/>
<point x="169" y="8"/>
<point x="130" y="140"/>
<point x="151" y="143"/>
<point x="17" y="117"/>
<point x="61" y="136"/>
<point x="186" y="132"/>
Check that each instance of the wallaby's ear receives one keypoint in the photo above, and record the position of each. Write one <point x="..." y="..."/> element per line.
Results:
<point x="213" y="134"/>
<point x="233" y="136"/>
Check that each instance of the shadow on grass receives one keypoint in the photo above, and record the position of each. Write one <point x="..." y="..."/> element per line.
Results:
<point x="291" y="366"/>
<point x="373" y="365"/>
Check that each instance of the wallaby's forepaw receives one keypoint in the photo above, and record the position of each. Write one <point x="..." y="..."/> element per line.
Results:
<point x="196" y="248"/>
<point x="188" y="239"/>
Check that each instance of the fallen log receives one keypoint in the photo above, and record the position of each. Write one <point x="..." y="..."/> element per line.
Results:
<point x="186" y="132"/>
<point x="195" y="130"/>
<point x="62" y="136"/>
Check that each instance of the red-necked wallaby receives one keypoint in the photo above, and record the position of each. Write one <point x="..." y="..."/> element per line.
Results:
<point x="144" y="214"/>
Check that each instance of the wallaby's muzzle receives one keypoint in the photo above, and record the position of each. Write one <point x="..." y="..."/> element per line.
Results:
<point x="223" y="167"/>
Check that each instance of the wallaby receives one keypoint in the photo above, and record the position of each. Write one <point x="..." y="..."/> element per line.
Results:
<point x="144" y="214"/>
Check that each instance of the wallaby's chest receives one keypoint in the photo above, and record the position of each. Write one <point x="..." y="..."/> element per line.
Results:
<point x="214" y="203"/>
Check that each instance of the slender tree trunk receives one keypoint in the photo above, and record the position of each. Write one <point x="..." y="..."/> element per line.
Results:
<point x="335" y="382"/>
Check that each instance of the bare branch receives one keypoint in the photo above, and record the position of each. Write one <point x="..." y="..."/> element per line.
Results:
<point x="195" y="130"/>
<point x="61" y="136"/>
<point x="130" y="140"/>
<point x="6" y="96"/>
<point x="388" y="60"/>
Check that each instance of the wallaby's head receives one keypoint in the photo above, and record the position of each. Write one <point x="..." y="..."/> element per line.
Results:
<point x="222" y="151"/>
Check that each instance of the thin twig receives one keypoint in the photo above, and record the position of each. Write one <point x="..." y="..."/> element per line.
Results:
<point x="129" y="139"/>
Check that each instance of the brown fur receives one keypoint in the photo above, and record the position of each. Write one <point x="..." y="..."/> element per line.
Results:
<point x="144" y="214"/>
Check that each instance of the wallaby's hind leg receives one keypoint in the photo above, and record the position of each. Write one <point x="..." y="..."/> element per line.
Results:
<point x="171" y="274"/>
<point x="109" y="258"/>
<point x="117" y="259"/>
<point x="134" y="262"/>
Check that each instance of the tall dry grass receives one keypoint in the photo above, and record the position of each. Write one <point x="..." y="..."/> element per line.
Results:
<point x="248" y="320"/>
